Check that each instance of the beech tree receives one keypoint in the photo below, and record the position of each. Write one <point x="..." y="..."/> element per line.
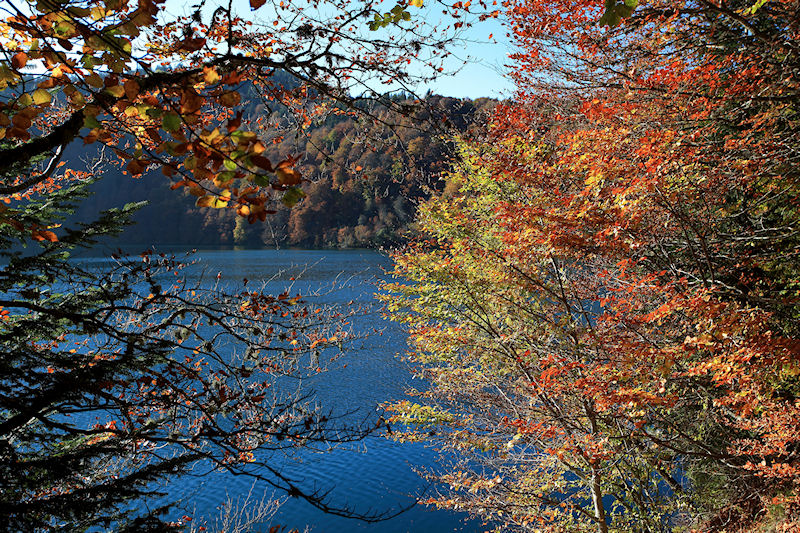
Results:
<point x="118" y="377"/>
<point x="166" y="92"/>
<point x="617" y="275"/>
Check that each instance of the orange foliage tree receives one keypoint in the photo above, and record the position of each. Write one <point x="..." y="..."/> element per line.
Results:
<point x="623" y="350"/>
<point x="167" y="92"/>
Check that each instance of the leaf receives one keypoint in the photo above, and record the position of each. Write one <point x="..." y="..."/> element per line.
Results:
<point x="205" y="201"/>
<point x="117" y="91"/>
<point x="41" y="97"/>
<point x="229" y="98"/>
<point x="260" y="180"/>
<point x="131" y="88"/>
<point x="136" y="167"/>
<point x="171" y="122"/>
<point x="90" y="121"/>
<point x="261" y="162"/>
<point x="755" y="7"/>
<point x="416" y="3"/>
<point x="210" y="75"/>
<point x="255" y="4"/>
<point x="19" y="60"/>
<point x="192" y="44"/>
<point x="287" y="175"/>
<point x="44" y="235"/>
<point x="292" y="197"/>
<point x="215" y="202"/>
<point x="615" y="12"/>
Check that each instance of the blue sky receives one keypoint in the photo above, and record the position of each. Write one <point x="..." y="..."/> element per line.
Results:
<point x="486" y="59"/>
<point x="483" y="75"/>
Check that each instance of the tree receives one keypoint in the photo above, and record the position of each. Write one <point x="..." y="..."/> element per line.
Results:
<point x="116" y="378"/>
<point x="636" y="265"/>
<point x="171" y="93"/>
<point x="517" y="376"/>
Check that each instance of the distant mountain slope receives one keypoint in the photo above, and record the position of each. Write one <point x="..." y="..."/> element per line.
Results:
<point x="364" y="183"/>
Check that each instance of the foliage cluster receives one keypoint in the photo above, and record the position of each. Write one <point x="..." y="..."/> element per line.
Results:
<point x="606" y="311"/>
<point x="362" y="183"/>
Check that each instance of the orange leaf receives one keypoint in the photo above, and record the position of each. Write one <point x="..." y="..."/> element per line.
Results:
<point x="39" y="235"/>
<point x="19" y="60"/>
<point x="287" y="175"/>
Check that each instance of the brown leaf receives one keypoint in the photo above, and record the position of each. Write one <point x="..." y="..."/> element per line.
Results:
<point x="136" y="167"/>
<point x="261" y="162"/>
<point x="193" y="44"/>
<point x="19" y="60"/>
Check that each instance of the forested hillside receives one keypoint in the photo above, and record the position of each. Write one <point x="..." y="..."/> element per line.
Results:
<point x="363" y="179"/>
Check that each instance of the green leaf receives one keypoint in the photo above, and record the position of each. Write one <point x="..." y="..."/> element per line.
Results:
<point x="41" y="97"/>
<point x="615" y="12"/>
<point x="261" y="180"/>
<point x="225" y="177"/>
<point x="292" y="197"/>
<point x="171" y="122"/>
<point x="90" y="121"/>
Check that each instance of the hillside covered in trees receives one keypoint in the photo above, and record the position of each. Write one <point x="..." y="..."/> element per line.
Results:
<point x="363" y="178"/>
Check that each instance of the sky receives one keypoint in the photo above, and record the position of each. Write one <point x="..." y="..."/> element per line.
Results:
<point x="485" y="50"/>
<point x="483" y="75"/>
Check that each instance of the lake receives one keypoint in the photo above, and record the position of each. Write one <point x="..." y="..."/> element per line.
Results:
<point x="378" y="476"/>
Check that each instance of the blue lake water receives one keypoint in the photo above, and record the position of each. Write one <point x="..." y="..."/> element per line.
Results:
<point x="377" y="475"/>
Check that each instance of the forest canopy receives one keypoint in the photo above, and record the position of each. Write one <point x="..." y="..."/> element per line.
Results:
<point x="605" y="311"/>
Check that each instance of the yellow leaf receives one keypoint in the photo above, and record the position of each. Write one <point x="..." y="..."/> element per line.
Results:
<point x="205" y="201"/>
<point x="117" y="91"/>
<point x="41" y="97"/>
<point x="210" y="75"/>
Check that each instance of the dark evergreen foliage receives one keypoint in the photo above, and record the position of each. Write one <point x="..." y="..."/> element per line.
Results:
<point x="117" y="375"/>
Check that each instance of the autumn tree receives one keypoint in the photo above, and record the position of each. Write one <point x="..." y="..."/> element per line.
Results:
<point x="516" y="378"/>
<point x="167" y="93"/>
<point x="623" y="288"/>
<point x="120" y="376"/>
<point x="117" y="377"/>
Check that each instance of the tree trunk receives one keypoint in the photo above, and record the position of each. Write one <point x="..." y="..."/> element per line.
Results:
<point x="597" y="493"/>
<point x="597" y="501"/>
